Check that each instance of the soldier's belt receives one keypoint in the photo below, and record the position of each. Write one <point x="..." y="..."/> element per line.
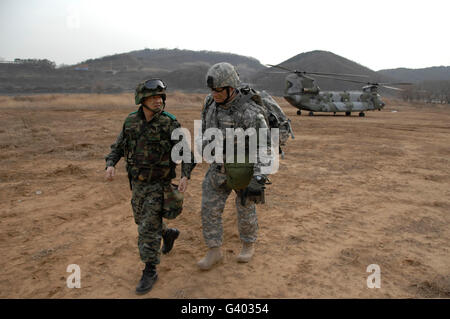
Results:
<point x="153" y="174"/>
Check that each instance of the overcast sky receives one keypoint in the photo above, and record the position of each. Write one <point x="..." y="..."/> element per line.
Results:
<point x="378" y="34"/>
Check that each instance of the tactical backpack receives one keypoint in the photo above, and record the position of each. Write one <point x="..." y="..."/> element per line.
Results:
<point x="275" y="115"/>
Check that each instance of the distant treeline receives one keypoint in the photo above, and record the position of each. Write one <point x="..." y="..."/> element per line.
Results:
<point x="428" y="92"/>
<point x="44" y="63"/>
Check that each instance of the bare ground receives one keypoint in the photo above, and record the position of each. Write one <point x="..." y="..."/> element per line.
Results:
<point x="351" y="192"/>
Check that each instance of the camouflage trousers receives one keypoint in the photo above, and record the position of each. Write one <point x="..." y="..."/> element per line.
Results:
<point x="214" y="196"/>
<point x="146" y="201"/>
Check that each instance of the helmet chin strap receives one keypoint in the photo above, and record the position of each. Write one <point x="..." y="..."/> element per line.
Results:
<point x="228" y="97"/>
<point x="158" y="110"/>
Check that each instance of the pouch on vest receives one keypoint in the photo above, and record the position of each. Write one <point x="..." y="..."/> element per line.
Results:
<point x="173" y="202"/>
<point x="239" y="175"/>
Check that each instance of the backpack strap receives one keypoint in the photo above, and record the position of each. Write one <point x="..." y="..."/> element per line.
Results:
<point x="250" y="94"/>
<point x="208" y="101"/>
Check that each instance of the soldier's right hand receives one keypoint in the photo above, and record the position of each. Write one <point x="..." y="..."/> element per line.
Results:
<point x="110" y="173"/>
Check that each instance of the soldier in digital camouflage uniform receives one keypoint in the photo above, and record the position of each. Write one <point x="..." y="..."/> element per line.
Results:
<point x="145" y="142"/>
<point x="228" y="107"/>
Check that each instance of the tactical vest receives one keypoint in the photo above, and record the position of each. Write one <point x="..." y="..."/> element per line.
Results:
<point x="148" y="147"/>
<point x="238" y="174"/>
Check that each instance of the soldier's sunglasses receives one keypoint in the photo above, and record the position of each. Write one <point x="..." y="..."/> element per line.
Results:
<point x="218" y="90"/>
<point x="154" y="84"/>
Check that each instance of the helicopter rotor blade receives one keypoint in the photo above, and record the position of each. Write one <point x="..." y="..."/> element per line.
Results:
<point x="392" y="88"/>
<point x="340" y="79"/>
<point x="280" y="67"/>
<point x="317" y="73"/>
<point x="276" y="72"/>
<point x="330" y="76"/>
<point x="396" y="83"/>
<point x="368" y="83"/>
<point x="338" y="74"/>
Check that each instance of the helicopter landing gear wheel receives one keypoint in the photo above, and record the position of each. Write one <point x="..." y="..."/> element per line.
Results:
<point x="334" y="113"/>
<point x="299" y="112"/>
<point x="348" y="113"/>
<point x="311" y="113"/>
<point x="361" y="114"/>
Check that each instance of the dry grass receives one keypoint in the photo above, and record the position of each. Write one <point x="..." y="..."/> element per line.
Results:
<point x="115" y="101"/>
<point x="83" y="101"/>
<point x="64" y="100"/>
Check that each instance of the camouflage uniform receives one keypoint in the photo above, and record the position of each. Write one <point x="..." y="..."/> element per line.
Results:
<point x="243" y="113"/>
<point x="147" y="147"/>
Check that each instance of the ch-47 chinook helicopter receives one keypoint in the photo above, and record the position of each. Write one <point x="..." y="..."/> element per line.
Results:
<point x="302" y="93"/>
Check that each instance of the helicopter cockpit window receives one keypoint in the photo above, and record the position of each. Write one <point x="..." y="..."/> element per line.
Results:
<point x="288" y="85"/>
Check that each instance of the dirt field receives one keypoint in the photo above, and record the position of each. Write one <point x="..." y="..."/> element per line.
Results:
<point x="351" y="192"/>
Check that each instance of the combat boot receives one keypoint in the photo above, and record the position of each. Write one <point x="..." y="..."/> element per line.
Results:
<point x="246" y="253"/>
<point x="149" y="277"/>
<point x="213" y="256"/>
<point x="169" y="237"/>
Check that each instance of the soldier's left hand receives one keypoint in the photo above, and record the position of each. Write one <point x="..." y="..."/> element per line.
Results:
<point x="183" y="184"/>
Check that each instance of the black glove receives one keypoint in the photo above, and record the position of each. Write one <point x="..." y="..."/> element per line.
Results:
<point x="255" y="190"/>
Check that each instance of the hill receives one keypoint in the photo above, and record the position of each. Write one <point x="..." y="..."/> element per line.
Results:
<point x="182" y="70"/>
<point x="435" y="73"/>
<point x="167" y="60"/>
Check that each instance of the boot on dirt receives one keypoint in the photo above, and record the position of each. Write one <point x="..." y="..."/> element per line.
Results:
<point x="169" y="237"/>
<point x="247" y="252"/>
<point x="213" y="256"/>
<point x="149" y="277"/>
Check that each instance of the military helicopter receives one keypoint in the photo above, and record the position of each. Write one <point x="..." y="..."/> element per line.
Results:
<point x="302" y="93"/>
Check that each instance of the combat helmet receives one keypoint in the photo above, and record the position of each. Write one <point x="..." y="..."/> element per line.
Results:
<point x="150" y="87"/>
<point x="173" y="202"/>
<point x="222" y="74"/>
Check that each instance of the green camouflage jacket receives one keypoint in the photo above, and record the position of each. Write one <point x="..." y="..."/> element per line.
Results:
<point x="147" y="147"/>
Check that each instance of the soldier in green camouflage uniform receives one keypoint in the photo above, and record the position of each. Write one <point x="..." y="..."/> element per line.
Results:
<point x="228" y="107"/>
<point x="145" y="142"/>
